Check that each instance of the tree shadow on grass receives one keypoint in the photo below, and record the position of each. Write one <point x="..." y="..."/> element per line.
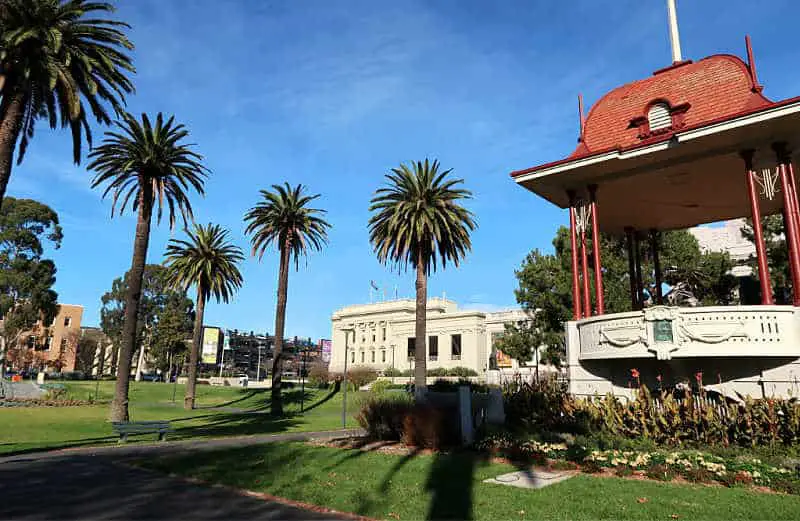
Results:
<point x="450" y="483"/>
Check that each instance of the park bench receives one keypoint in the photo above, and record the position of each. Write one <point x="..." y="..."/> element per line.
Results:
<point x="146" y="427"/>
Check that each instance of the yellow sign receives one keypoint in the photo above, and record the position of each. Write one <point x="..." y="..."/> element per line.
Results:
<point x="503" y="360"/>
<point x="210" y="345"/>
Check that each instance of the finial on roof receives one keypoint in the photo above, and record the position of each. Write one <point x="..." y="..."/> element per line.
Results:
<point x="582" y="119"/>
<point x="674" y="37"/>
<point x="751" y="65"/>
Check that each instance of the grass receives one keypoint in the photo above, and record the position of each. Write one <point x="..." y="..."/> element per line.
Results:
<point x="222" y="411"/>
<point x="449" y="486"/>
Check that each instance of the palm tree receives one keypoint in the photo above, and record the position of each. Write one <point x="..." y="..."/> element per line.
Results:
<point x="208" y="261"/>
<point x="284" y="219"/>
<point x="56" y="58"/>
<point x="144" y="166"/>
<point x="418" y="221"/>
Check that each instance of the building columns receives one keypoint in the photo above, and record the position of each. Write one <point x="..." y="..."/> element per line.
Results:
<point x="587" y="300"/>
<point x="576" y="297"/>
<point x="790" y="218"/>
<point x="598" y="269"/>
<point x="758" y="232"/>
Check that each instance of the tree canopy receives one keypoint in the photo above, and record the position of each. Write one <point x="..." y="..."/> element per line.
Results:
<point x="27" y="228"/>
<point x="165" y="314"/>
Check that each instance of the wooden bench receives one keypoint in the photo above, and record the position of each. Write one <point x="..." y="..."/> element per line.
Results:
<point x="147" y="427"/>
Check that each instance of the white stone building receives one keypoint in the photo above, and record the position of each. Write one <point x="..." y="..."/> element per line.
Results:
<point x="381" y="336"/>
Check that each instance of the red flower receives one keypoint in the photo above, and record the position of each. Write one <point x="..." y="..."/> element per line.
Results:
<point x="699" y="377"/>
<point x="634" y="373"/>
<point x="658" y="377"/>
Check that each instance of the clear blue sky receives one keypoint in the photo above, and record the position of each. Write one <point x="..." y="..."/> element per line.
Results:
<point x="332" y="94"/>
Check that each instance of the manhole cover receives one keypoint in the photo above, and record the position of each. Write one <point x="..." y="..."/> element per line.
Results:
<point x="507" y="478"/>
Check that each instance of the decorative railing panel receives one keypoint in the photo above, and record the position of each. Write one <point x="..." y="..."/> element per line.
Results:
<point x="670" y="332"/>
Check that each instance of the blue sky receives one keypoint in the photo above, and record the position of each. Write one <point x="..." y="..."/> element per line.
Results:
<point x="333" y="94"/>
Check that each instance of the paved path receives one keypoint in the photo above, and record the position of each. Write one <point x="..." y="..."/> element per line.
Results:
<point x="95" y="483"/>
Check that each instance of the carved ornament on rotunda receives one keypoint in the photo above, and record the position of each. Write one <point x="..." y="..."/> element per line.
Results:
<point x="664" y="329"/>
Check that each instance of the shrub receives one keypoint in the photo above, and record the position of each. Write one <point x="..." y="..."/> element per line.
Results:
<point x="537" y="406"/>
<point x="591" y="467"/>
<point x="660" y="472"/>
<point x="787" y="485"/>
<point x="360" y="376"/>
<point x="319" y="375"/>
<point x="380" y="386"/>
<point x="578" y="450"/>
<point x="382" y="416"/>
<point x="392" y="372"/>
<point x="449" y="386"/>
<point x="461" y="372"/>
<point x="439" y="371"/>
<point x="623" y="471"/>
<point x="430" y="427"/>
<point x="698" y="475"/>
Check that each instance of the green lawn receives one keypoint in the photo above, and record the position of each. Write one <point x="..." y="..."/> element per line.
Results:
<point x="448" y="486"/>
<point x="222" y="411"/>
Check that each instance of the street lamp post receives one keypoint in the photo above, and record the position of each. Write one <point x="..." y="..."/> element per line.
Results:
<point x="344" y="381"/>
<point x="258" y="368"/>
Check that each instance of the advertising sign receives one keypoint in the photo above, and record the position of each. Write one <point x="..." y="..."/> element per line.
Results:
<point x="210" y="345"/>
<point x="326" y="351"/>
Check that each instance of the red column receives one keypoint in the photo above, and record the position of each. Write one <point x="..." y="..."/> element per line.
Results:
<point x="758" y="233"/>
<point x="587" y="300"/>
<point x="631" y="268"/>
<point x="573" y="241"/>
<point x="598" y="268"/>
<point x="790" y="220"/>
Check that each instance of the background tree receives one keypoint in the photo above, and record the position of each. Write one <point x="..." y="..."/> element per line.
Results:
<point x="284" y="219"/>
<point x="145" y="165"/>
<point x="26" y="279"/>
<point x="209" y="262"/>
<point x="777" y="257"/>
<point x="545" y="281"/>
<point x="418" y="221"/>
<point x="173" y="328"/>
<point x="164" y="312"/>
<point x="58" y="58"/>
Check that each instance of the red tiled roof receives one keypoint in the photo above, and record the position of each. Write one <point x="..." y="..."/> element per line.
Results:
<point x="713" y="88"/>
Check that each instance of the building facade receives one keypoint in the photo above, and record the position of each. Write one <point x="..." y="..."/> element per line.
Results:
<point x="50" y="347"/>
<point x="381" y="336"/>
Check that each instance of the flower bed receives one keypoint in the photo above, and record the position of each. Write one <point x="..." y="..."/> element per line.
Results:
<point x="690" y="465"/>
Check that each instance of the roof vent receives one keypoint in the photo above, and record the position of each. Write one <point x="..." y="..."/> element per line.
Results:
<point x="659" y="117"/>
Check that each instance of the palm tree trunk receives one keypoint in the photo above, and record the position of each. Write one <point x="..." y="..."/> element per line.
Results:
<point x="280" y="322"/>
<point x="420" y="366"/>
<point x="119" y="406"/>
<point x="12" y="110"/>
<point x="194" y="354"/>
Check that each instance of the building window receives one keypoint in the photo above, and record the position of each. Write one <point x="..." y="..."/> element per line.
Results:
<point x="352" y="357"/>
<point x="31" y="341"/>
<point x="373" y="356"/>
<point x="48" y="344"/>
<point x="411" y="348"/>
<point x="383" y="355"/>
<point x="362" y="357"/>
<point x="455" y="347"/>
<point x="363" y="339"/>
<point x="383" y="333"/>
<point x="373" y="337"/>
<point x="659" y="117"/>
<point x="63" y="344"/>
<point x="433" y="348"/>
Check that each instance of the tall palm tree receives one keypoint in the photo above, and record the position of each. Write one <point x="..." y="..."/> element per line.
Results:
<point x="208" y="261"/>
<point x="56" y="58"/>
<point x="418" y="221"/>
<point x="283" y="218"/>
<point x="144" y="166"/>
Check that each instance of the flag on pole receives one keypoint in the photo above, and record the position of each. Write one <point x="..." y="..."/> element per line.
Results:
<point x="374" y="286"/>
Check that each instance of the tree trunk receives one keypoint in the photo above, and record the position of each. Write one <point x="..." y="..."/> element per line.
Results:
<point x="194" y="354"/>
<point x="12" y="110"/>
<point x="114" y="359"/>
<point x="280" y="321"/>
<point x="119" y="406"/>
<point x="420" y="366"/>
